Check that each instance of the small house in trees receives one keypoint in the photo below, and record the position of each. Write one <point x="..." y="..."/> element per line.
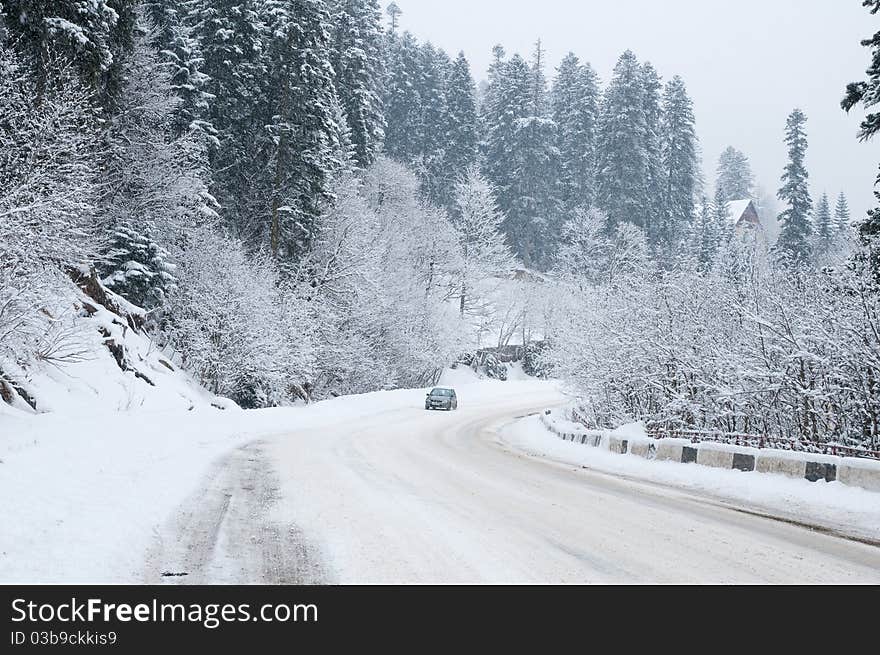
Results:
<point x="744" y="216"/>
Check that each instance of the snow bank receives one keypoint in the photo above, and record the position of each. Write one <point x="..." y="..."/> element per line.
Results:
<point x="832" y="505"/>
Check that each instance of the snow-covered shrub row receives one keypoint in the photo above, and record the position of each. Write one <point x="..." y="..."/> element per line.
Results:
<point x="744" y="347"/>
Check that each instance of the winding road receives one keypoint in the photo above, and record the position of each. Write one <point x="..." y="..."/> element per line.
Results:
<point x="408" y="496"/>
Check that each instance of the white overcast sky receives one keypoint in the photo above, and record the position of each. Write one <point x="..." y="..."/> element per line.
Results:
<point x="746" y="63"/>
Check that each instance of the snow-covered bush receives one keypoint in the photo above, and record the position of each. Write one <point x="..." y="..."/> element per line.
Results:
<point x="230" y="321"/>
<point x="382" y="273"/>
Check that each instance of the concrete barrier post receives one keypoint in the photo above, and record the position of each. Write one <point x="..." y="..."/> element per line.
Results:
<point x="776" y="463"/>
<point x="721" y="459"/>
<point x="669" y="451"/>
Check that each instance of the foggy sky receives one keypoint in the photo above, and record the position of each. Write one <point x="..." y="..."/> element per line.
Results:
<point x="746" y="63"/>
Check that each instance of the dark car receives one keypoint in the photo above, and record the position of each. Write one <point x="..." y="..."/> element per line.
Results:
<point x="441" y="398"/>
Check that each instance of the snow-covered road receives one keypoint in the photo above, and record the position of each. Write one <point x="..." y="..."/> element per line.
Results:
<point x="408" y="496"/>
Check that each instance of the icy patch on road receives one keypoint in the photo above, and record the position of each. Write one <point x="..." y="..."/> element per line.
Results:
<point x="830" y="505"/>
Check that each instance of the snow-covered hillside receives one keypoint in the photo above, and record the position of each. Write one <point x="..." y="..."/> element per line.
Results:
<point x="96" y="361"/>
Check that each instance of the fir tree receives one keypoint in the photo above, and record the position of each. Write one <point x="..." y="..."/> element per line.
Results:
<point x="163" y="14"/>
<point x="228" y="55"/>
<point x="841" y="215"/>
<point x="575" y="98"/>
<point x="82" y="32"/>
<point x="431" y="86"/>
<point x="506" y="105"/>
<point x="735" y="177"/>
<point x="461" y="136"/>
<point x="707" y="235"/>
<point x="229" y="34"/>
<point x="490" y="98"/>
<point x="394" y="13"/>
<point x="680" y="165"/>
<point x="724" y="226"/>
<point x="305" y="136"/>
<point x="357" y="63"/>
<point x="521" y="160"/>
<point x="182" y="51"/>
<point x="824" y="228"/>
<point x="656" y="178"/>
<point x="137" y="267"/>
<point x="794" y="236"/>
<point x="539" y="82"/>
<point x="623" y="170"/>
<point x="404" y="113"/>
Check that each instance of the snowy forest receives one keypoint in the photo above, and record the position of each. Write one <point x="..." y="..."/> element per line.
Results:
<point x="298" y="199"/>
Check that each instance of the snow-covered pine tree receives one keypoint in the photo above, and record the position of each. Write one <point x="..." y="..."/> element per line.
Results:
<point x="437" y="180"/>
<point x="867" y="94"/>
<point x="824" y="228"/>
<point x="402" y="102"/>
<point x="623" y="155"/>
<point x="652" y="86"/>
<point x="575" y="102"/>
<point x="229" y="36"/>
<point x="793" y="245"/>
<point x="521" y="160"/>
<point x="488" y="106"/>
<point x="394" y="13"/>
<point x="122" y="37"/>
<point x="735" y="175"/>
<point x="841" y="215"/>
<point x="707" y="235"/>
<point x="680" y="164"/>
<point x="539" y="81"/>
<point x="304" y="133"/>
<point x="462" y="136"/>
<point x="357" y="62"/>
<point x="162" y="14"/>
<point x="507" y="105"/>
<point x="724" y="227"/>
<point x="181" y="49"/>
<point x="81" y="32"/>
<point x="484" y="252"/>
<point x="137" y="267"/>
